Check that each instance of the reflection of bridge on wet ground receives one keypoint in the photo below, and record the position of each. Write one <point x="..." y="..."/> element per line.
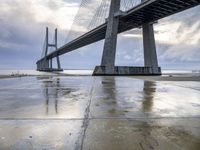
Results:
<point x="53" y="90"/>
<point x="140" y="14"/>
<point x="98" y="113"/>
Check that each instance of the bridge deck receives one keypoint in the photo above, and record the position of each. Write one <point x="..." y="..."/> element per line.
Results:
<point x="148" y="11"/>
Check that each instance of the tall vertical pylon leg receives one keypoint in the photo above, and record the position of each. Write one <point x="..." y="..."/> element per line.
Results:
<point x="58" y="62"/>
<point x="108" y="59"/>
<point x="150" y="55"/>
<point x="46" y="61"/>
<point x="149" y="45"/>
<point x="51" y="63"/>
<point x="56" y="46"/>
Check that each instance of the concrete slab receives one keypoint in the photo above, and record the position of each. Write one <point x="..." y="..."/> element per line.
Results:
<point x="39" y="134"/>
<point x="162" y="134"/>
<point x="44" y="97"/>
<point x="85" y="112"/>
<point x="130" y="98"/>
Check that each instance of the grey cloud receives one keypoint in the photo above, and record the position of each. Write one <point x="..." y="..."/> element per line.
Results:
<point x="21" y="36"/>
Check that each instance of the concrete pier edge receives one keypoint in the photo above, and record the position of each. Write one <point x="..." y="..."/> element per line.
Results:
<point x="128" y="71"/>
<point x="51" y="70"/>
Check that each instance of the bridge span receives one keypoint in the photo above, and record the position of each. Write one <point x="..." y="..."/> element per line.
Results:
<point x="143" y="15"/>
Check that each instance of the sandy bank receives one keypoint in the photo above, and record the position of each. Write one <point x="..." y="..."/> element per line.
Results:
<point x="165" y="77"/>
<point x="187" y="77"/>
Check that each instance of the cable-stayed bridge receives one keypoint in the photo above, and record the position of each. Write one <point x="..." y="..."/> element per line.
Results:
<point x="106" y="20"/>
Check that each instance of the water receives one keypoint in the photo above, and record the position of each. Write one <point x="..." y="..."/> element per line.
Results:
<point x="34" y="72"/>
<point x="84" y="72"/>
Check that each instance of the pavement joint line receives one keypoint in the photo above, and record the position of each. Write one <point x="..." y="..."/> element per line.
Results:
<point x="80" y="140"/>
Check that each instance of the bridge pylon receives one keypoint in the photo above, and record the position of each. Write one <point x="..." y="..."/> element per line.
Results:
<point x="109" y="52"/>
<point x="46" y="64"/>
<point x="149" y="46"/>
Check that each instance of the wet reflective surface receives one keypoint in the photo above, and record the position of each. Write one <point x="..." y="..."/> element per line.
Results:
<point x="111" y="113"/>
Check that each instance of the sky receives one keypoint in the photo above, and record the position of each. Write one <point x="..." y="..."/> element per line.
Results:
<point x="23" y="23"/>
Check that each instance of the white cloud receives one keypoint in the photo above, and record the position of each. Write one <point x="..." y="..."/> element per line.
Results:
<point x="168" y="33"/>
<point x="128" y="35"/>
<point x="182" y="53"/>
<point x="61" y="17"/>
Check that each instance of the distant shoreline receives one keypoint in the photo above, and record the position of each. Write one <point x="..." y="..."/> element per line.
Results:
<point x="170" y="77"/>
<point x="11" y="76"/>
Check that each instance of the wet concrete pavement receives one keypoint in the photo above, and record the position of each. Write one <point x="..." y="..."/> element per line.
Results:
<point x="98" y="113"/>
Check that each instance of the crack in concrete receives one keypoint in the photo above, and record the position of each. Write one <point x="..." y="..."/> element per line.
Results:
<point x="80" y="140"/>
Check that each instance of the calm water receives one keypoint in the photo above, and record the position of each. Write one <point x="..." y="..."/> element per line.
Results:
<point x="86" y="72"/>
<point x="34" y="72"/>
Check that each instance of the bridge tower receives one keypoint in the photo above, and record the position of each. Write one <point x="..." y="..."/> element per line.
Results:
<point x="149" y="46"/>
<point x="46" y="64"/>
<point x="109" y="52"/>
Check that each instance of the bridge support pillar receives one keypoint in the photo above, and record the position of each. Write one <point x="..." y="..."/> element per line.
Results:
<point x="108" y="59"/>
<point x="58" y="62"/>
<point x="51" y="63"/>
<point x="150" y="55"/>
<point x="109" y="51"/>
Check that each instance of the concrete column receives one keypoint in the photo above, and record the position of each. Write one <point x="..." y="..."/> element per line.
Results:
<point x="56" y="45"/>
<point x="47" y="41"/>
<point x="109" y="51"/>
<point x="46" y="62"/>
<point x="150" y="55"/>
<point x="40" y="65"/>
<point x="51" y="63"/>
<point x="58" y="62"/>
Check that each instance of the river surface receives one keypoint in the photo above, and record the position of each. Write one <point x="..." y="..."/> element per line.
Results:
<point x="84" y="72"/>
